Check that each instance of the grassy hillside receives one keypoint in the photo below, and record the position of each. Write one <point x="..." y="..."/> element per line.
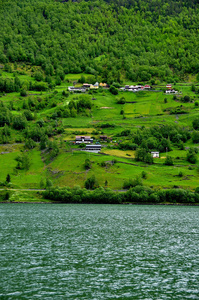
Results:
<point x="48" y="46"/>
<point x="42" y="151"/>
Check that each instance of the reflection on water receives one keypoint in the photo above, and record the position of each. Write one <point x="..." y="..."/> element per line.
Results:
<point x="99" y="252"/>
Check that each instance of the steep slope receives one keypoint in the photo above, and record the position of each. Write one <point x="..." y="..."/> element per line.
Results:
<point x="136" y="39"/>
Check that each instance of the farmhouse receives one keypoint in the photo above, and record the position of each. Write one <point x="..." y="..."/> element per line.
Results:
<point x="103" y="137"/>
<point x="86" y="85"/>
<point x="155" y="154"/>
<point x="147" y="87"/>
<point x="94" y="86"/>
<point x="136" y="88"/>
<point x="76" y="89"/>
<point x="169" y="86"/>
<point x="171" y="91"/>
<point x="83" y="139"/>
<point x="103" y="85"/>
<point x="93" y="148"/>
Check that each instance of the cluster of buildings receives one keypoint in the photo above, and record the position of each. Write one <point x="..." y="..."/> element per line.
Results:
<point x="87" y="86"/>
<point x="170" y="90"/>
<point x="130" y="88"/>
<point x="135" y="88"/>
<point x="90" y="147"/>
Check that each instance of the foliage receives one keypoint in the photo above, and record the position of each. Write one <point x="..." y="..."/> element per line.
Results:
<point x="142" y="155"/>
<point x="113" y="90"/>
<point x="191" y="156"/>
<point x="132" y="183"/>
<point x="87" y="164"/>
<point x="168" y="161"/>
<point x="23" y="161"/>
<point x="54" y="35"/>
<point x="8" y="178"/>
<point x="121" y="100"/>
<point x="137" y="194"/>
<point x="19" y="122"/>
<point x="196" y="123"/>
<point x="91" y="183"/>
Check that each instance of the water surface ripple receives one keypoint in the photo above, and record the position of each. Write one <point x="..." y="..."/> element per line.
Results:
<point x="99" y="252"/>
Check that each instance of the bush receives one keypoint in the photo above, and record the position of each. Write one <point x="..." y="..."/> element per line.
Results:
<point x="191" y="156"/>
<point x="196" y="123"/>
<point x="121" y="100"/>
<point x="87" y="164"/>
<point x="23" y="93"/>
<point x="186" y="99"/>
<point x="168" y="161"/>
<point x="132" y="183"/>
<point x="195" y="137"/>
<point x="113" y="90"/>
<point x="144" y="175"/>
<point x="91" y="183"/>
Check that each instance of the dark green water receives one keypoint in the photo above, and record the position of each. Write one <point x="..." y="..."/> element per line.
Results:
<point x="99" y="252"/>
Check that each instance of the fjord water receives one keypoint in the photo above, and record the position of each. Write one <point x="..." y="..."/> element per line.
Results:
<point x="99" y="252"/>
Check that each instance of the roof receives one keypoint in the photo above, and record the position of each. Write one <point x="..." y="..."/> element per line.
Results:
<point x="93" y="146"/>
<point x="82" y="137"/>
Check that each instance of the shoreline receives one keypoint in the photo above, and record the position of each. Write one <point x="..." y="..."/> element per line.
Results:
<point x="132" y="203"/>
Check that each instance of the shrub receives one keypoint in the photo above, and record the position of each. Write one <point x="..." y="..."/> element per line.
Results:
<point x="196" y="123"/>
<point x="180" y="174"/>
<point x="144" y="175"/>
<point x="113" y="90"/>
<point x="191" y="156"/>
<point x="87" y="164"/>
<point x="23" y="93"/>
<point x="132" y="183"/>
<point x="91" y="183"/>
<point x="168" y="161"/>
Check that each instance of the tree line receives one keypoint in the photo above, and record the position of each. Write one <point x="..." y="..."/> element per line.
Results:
<point x="138" y="194"/>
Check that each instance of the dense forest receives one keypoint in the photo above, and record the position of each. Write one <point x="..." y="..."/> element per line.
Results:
<point x="135" y="39"/>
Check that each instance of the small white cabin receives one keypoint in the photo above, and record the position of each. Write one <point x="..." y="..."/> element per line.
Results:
<point x="155" y="154"/>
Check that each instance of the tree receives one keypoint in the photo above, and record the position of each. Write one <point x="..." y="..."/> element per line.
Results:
<point x="113" y="90"/>
<point x="91" y="183"/>
<point x="23" y="162"/>
<point x="168" y="161"/>
<point x="23" y="93"/>
<point x="8" y="178"/>
<point x="19" y="122"/>
<point x="196" y="123"/>
<point x="49" y="183"/>
<point x="82" y="79"/>
<point x="186" y="99"/>
<point x="191" y="156"/>
<point x="195" y="137"/>
<point x="38" y="76"/>
<point x="30" y="144"/>
<point x="87" y="164"/>
<point x="132" y="183"/>
<point x="43" y="142"/>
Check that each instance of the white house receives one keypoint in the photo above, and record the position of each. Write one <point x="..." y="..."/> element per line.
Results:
<point x="83" y="139"/>
<point x="93" y="148"/>
<point x="171" y="92"/>
<point x="155" y="154"/>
